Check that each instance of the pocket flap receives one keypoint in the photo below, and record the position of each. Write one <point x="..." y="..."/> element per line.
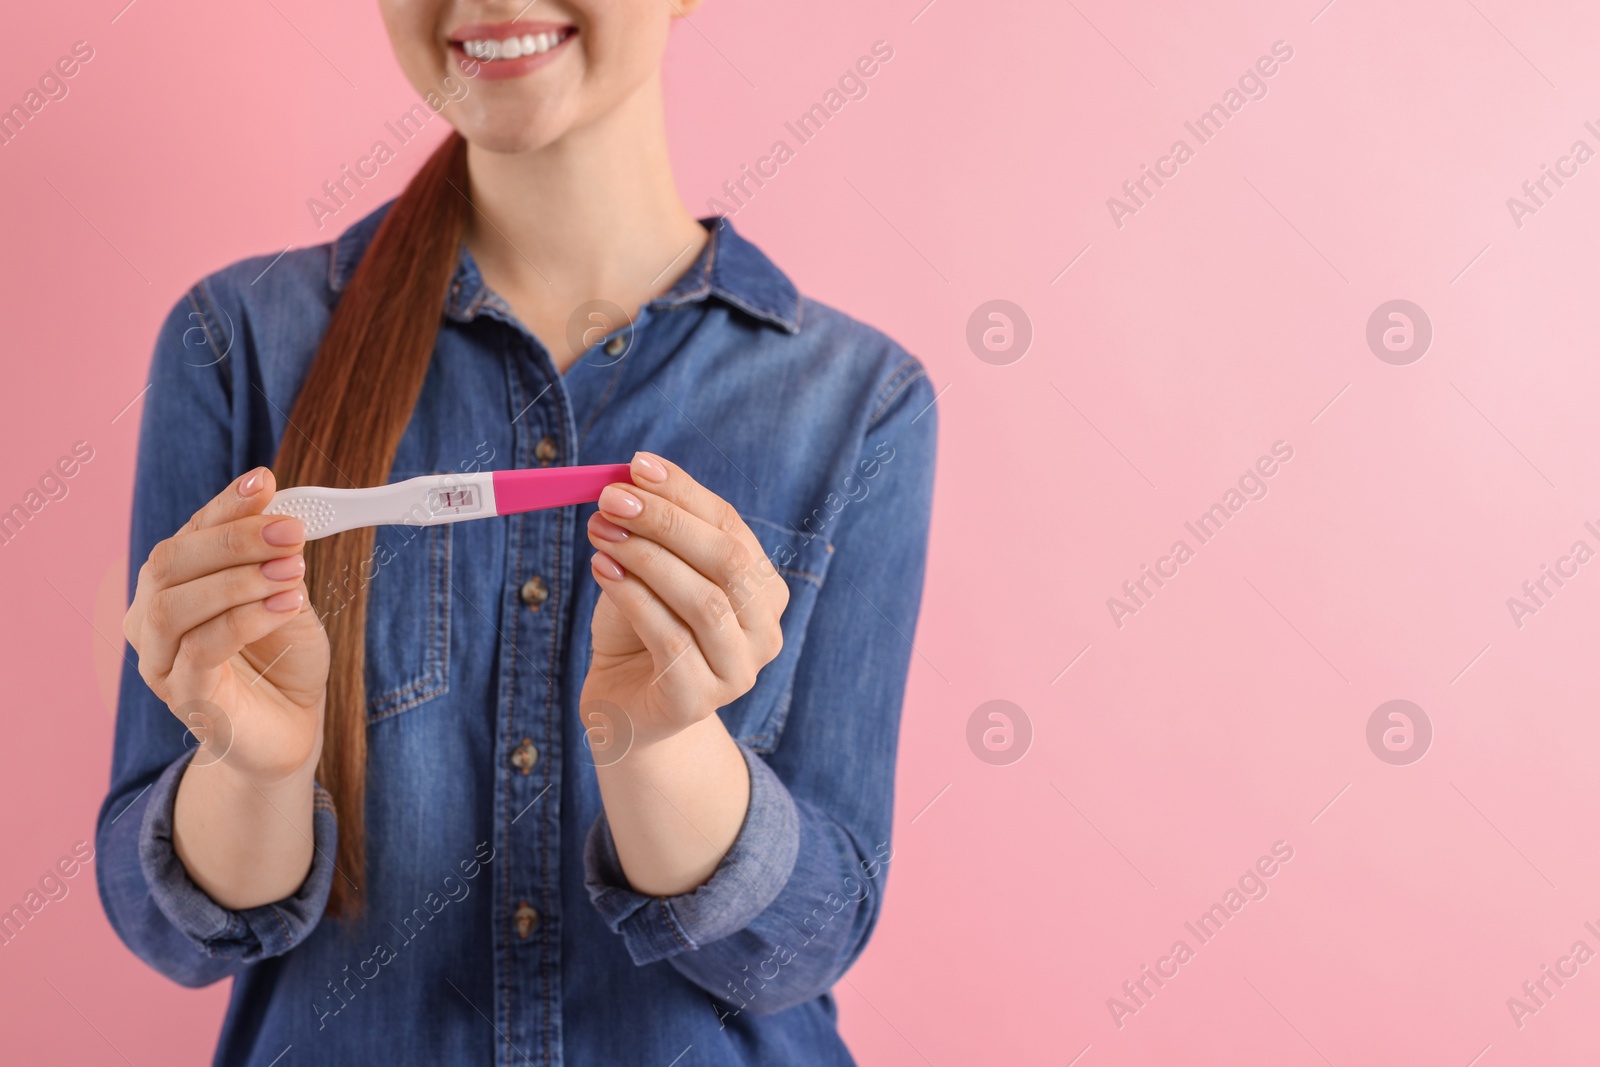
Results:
<point x="802" y="560"/>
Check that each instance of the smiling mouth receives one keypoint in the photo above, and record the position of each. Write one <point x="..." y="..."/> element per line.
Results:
<point x="497" y="50"/>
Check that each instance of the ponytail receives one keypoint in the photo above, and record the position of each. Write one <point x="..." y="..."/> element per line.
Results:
<point x="343" y="432"/>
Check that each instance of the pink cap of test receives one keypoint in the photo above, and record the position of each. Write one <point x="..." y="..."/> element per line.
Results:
<point x="554" y="487"/>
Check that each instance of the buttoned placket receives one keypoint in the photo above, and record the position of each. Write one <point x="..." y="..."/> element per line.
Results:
<point x="533" y="626"/>
<point x="542" y="549"/>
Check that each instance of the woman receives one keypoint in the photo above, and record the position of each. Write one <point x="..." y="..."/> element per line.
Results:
<point x="483" y="792"/>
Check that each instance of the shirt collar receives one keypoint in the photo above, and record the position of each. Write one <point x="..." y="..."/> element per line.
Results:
<point x="728" y="268"/>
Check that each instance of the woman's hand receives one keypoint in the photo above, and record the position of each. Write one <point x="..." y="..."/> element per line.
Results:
<point x="226" y="636"/>
<point x="689" y="612"/>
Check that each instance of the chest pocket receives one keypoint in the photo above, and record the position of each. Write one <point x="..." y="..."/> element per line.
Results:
<point x="408" y="615"/>
<point x="757" y="718"/>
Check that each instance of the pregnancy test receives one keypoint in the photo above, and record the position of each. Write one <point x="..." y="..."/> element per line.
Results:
<point x="439" y="498"/>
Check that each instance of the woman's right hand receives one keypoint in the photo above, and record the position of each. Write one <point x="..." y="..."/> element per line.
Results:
<point x="226" y="636"/>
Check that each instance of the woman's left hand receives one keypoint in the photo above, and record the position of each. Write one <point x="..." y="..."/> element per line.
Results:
<point x="689" y="610"/>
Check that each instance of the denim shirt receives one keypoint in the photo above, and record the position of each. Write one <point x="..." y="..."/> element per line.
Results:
<point x="499" y="926"/>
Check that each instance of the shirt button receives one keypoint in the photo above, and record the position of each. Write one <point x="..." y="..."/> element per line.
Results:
<point x="546" y="451"/>
<point x="615" y="346"/>
<point x="524" y="756"/>
<point x="534" y="592"/>
<point x="525" y="918"/>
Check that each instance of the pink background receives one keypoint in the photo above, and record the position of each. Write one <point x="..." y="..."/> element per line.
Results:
<point x="1224" y="316"/>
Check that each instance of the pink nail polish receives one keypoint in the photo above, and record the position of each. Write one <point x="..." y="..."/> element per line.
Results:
<point x="620" y="502"/>
<point x="281" y="570"/>
<point x="288" y="600"/>
<point x="284" y="532"/>
<point x="606" y="530"/>
<point x="251" y="484"/>
<point x="649" y="467"/>
<point x="607" y="566"/>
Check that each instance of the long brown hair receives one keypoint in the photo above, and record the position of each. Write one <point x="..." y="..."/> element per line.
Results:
<point x="343" y="432"/>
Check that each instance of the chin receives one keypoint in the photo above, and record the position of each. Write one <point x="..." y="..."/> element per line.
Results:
<point x="511" y="137"/>
<point x="511" y="128"/>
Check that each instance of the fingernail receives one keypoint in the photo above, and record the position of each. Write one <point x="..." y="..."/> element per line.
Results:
<point x="605" y="529"/>
<point x="281" y="570"/>
<point x="607" y="566"/>
<point x="649" y="467"/>
<point x="250" y="484"/>
<point x="619" y="501"/>
<point x="288" y="600"/>
<point x="284" y="532"/>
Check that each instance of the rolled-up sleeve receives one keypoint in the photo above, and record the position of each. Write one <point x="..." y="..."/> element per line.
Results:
<point x="190" y="448"/>
<point x="248" y="935"/>
<point x="792" y="905"/>
<point x="749" y="878"/>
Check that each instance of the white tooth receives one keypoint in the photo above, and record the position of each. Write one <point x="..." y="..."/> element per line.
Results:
<point x="550" y="41"/>
<point x="511" y="48"/>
